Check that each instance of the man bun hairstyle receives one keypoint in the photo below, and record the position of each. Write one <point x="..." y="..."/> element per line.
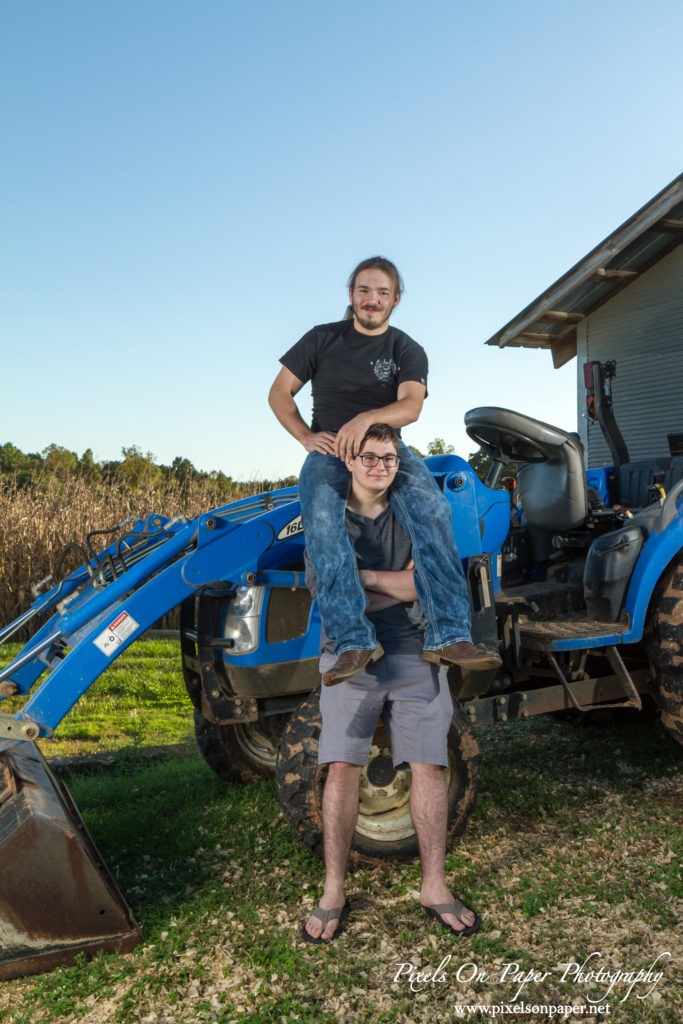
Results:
<point x="380" y="432"/>
<point x="376" y="263"/>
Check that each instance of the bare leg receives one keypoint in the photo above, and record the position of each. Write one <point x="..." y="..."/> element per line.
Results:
<point x="429" y="810"/>
<point x="340" y="813"/>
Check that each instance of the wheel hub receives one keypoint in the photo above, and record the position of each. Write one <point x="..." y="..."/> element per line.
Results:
<point x="259" y="747"/>
<point x="381" y="771"/>
<point x="384" y="810"/>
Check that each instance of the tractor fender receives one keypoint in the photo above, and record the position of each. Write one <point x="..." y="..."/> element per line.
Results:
<point x="657" y="553"/>
<point x="480" y="515"/>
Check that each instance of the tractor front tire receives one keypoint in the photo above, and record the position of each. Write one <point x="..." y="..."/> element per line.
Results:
<point x="665" y="648"/>
<point x="385" y="829"/>
<point x="243" y="752"/>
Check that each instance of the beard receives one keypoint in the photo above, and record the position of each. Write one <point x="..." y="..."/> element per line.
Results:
<point x="370" y="320"/>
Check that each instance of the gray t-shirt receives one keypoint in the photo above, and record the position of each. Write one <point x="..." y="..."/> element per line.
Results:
<point x="381" y="544"/>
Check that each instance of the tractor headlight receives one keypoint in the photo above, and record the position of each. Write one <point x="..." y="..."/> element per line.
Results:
<point x="247" y="600"/>
<point x="243" y="618"/>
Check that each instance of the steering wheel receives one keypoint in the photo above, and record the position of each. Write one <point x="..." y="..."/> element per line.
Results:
<point x="510" y="436"/>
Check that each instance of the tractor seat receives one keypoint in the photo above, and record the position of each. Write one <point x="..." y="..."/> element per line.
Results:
<point x="636" y="479"/>
<point x="551" y="477"/>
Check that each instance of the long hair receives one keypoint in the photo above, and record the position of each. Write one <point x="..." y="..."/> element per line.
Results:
<point x="376" y="263"/>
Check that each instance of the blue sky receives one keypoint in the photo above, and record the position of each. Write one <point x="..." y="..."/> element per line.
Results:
<point x="187" y="185"/>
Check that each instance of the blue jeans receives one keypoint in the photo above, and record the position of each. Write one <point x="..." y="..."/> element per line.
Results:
<point x="424" y="514"/>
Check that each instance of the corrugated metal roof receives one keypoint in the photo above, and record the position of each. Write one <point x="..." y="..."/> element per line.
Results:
<point x="550" y="320"/>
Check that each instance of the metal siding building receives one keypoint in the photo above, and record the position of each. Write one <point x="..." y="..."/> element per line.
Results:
<point x="642" y="328"/>
<point x="623" y="301"/>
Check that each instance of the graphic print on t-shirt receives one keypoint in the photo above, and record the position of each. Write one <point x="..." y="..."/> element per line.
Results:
<point x="384" y="369"/>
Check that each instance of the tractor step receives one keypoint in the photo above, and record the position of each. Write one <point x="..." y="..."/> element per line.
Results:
<point x="570" y="631"/>
<point x="551" y="615"/>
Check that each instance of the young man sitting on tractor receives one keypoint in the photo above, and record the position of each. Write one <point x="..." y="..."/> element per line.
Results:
<point x="364" y="371"/>
<point x="410" y="694"/>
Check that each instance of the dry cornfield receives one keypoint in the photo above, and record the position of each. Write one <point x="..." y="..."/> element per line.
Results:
<point x="38" y="520"/>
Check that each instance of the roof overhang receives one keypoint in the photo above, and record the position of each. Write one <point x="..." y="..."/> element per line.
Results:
<point x="551" y="320"/>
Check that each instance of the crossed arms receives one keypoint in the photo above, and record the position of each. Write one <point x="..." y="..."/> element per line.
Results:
<point x="385" y="588"/>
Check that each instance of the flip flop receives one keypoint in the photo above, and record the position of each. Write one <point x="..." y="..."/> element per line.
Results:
<point x="456" y="907"/>
<point x="325" y="916"/>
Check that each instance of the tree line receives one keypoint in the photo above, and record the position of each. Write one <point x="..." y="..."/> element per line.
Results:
<point x="136" y="469"/>
<point x="140" y="470"/>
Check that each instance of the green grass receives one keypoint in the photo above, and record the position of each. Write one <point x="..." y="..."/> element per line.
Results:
<point x="140" y="700"/>
<point x="574" y="849"/>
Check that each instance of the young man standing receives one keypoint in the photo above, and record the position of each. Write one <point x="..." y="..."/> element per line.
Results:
<point x="408" y="693"/>
<point x="364" y="371"/>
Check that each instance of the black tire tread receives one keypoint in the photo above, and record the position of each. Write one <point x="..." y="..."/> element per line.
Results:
<point x="224" y="754"/>
<point x="665" y="647"/>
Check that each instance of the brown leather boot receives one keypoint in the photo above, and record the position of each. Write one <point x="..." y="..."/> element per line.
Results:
<point x="349" y="663"/>
<point x="464" y="654"/>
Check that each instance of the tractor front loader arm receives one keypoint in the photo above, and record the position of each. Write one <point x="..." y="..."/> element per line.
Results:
<point x="105" y="611"/>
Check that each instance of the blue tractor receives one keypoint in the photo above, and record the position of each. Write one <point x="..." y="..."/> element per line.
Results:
<point x="576" y="578"/>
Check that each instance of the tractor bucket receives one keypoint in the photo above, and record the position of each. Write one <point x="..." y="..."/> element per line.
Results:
<point x="57" y="898"/>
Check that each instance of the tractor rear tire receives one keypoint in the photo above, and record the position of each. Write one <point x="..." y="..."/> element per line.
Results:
<point x="244" y="752"/>
<point x="665" y="648"/>
<point x="385" y="829"/>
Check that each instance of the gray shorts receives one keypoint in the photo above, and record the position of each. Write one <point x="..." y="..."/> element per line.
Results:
<point x="410" y="695"/>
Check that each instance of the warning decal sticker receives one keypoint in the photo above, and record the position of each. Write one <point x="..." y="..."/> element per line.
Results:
<point x="115" y="633"/>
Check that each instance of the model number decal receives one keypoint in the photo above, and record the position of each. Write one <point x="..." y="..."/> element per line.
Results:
<point x="291" y="529"/>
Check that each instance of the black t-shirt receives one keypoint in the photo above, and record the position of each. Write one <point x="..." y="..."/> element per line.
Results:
<point x="352" y="372"/>
<point x="381" y="544"/>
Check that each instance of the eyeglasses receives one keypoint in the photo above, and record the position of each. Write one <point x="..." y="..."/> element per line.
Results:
<point x="390" y="461"/>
